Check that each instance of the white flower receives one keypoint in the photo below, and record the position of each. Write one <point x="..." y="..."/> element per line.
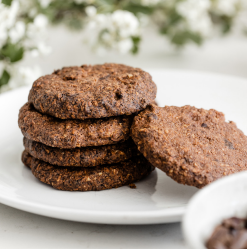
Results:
<point x="125" y="22"/>
<point x="196" y="15"/>
<point x="241" y="20"/>
<point x="45" y="3"/>
<point x="24" y="76"/>
<point x="17" y="32"/>
<point x="203" y="25"/>
<point x="40" y="21"/>
<point x="8" y="15"/>
<point x="28" y="75"/>
<point x="107" y="37"/>
<point x="90" y="11"/>
<point x="38" y="26"/>
<point x="12" y="14"/>
<point x="191" y="9"/>
<point x="124" y="46"/>
<point x="42" y="49"/>
<point x="226" y="7"/>
<point x="114" y="30"/>
<point x="34" y="53"/>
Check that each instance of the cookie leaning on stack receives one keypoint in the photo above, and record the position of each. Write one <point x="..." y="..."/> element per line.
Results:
<point x="193" y="146"/>
<point x="76" y="127"/>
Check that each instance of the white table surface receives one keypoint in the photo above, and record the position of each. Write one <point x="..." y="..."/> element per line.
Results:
<point x="19" y="229"/>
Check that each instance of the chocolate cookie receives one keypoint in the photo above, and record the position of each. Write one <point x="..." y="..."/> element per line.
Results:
<point x="26" y="159"/>
<point x="93" y="91"/>
<point x="193" y="146"/>
<point x="88" y="179"/>
<point x="82" y="157"/>
<point x="72" y="133"/>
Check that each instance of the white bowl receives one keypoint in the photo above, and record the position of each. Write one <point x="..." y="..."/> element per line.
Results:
<point x="222" y="199"/>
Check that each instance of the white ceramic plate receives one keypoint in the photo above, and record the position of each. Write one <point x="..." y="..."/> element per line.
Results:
<point x="157" y="199"/>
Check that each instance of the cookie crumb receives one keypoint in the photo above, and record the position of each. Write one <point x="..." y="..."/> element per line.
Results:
<point x="132" y="185"/>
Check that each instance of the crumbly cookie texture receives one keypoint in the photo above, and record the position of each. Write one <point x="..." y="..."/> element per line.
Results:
<point x="93" y="91"/>
<point x="90" y="179"/>
<point x="26" y="159"/>
<point x="84" y="156"/>
<point x="72" y="133"/>
<point x="193" y="146"/>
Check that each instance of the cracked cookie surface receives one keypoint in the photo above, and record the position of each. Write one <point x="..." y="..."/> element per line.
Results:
<point x="93" y="91"/>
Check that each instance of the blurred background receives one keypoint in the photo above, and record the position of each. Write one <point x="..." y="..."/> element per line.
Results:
<point x="38" y="36"/>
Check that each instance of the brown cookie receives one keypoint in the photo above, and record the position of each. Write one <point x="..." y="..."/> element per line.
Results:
<point x="193" y="146"/>
<point x="82" y="157"/>
<point x="72" y="133"/>
<point x="93" y="91"/>
<point x="88" y="179"/>
<point x="26" y="159"/>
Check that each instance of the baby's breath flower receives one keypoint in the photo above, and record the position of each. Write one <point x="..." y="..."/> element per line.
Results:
<point x="227" y="8"/>
<point x="38" y="26"/>
<point x="124" y="46"/>
<point x="17" y="32"/>
<point x="22" y="76"/>
<point x="7" y="19"/>
<point x="44" y="3"/>
<point x="124" y="21"/>
<point x="114" y="31"/>
<point x="90" y="11"/>
<point x="196" y="15"/>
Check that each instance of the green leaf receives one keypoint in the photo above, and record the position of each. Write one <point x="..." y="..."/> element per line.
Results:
<point x="12" y="51"/>
<point x="138" y="8"/>
<point x="136" y="41"/>
<point x="7" y="2"/>
<point x="181" y="38"/>
<point x="4" y="78"/>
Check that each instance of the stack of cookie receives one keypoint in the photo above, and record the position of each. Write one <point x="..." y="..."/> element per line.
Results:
<point x="76" y="127"/>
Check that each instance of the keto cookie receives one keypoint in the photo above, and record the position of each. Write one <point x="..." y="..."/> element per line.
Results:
<point x="72" y="133"/>
<point x="93" y="91"/>
<point x="91" y="179"/>
<point x="193" y="146"/>
<point x="82" y="157"/>
<point x="26" y="159"/>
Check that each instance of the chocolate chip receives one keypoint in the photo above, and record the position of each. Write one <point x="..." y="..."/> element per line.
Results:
<point x="204" y="125"/>
<point x="234" y="223"/>
<point x="69" y="77"/>
<point x="229" y="144"/>
<point x="119" y="95"/>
